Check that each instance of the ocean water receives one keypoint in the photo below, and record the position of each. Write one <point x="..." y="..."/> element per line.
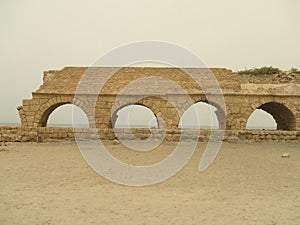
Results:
<point x="10" y="124"/>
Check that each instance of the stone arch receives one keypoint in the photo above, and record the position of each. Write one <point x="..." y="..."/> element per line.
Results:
<point x="161" y="108"/>
<point x="220" y="112"/>
<point x="115" y="116"/>
<point x="281" y="113"/>
<point x="50" y="105"/>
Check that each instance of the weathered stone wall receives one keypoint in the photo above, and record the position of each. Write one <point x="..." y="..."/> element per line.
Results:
<point x="239" y="107"/>
<point x="277" y="94"/>
<point x="66" y="81"/>
<point x="48" y="134"/>
<point x="280" y="78"/>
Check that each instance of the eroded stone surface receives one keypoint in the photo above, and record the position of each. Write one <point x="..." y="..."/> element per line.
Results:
<point x="279" y="95"/>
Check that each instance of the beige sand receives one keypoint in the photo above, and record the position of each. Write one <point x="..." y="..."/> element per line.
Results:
<point x="50" y="183"/>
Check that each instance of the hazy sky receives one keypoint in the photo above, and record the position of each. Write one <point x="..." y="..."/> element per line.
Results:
<point x="41" y="35"/>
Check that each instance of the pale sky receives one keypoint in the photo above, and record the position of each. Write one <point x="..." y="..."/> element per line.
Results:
<point x="42" y="35"/>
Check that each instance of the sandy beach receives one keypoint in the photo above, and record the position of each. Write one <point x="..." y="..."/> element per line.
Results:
<point x="51" y="183"/>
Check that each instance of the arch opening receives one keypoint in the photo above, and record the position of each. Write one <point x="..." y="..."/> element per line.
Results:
<point x="65" y="115"/>
<point x="201" y="115"/>
<point x="283" y="117"/>
<point x="134" y="116"/>
<point x="261" y="120"/>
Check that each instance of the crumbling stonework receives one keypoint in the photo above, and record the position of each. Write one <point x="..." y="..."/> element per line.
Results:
<point x="51" y="134"/>
<point x="280" y="78"/>
<point x="242" y="95"/>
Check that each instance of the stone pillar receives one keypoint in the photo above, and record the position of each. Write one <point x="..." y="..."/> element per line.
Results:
<point x="297" y="120"/>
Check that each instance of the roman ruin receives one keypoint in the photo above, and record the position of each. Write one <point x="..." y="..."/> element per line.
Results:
<point x="276" y="94"/>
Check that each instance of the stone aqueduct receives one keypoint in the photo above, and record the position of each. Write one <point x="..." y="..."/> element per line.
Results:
<point x="279" y="95"/>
